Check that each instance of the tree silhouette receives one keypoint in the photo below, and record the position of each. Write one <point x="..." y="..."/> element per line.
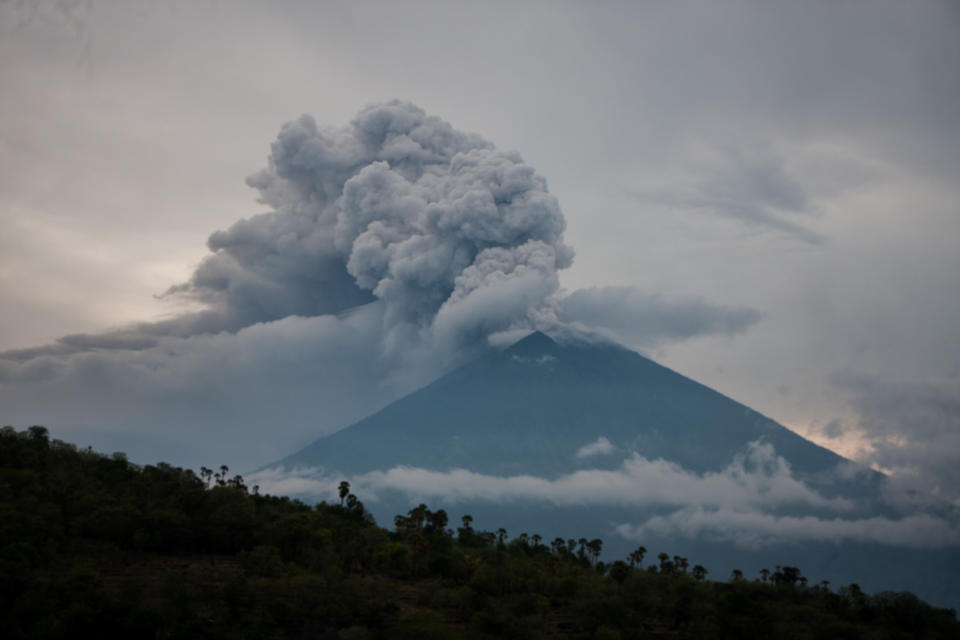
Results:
<point x="595" y="546"/>
<point x="619" y="571"/>
<point x="343" y="491"/>
<point x="636" y="556"/>
<point x="681" y="564"/>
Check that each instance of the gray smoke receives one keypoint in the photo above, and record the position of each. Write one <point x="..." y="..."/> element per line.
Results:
<point x="397" y="207"/>
<point x="394" y="248"/>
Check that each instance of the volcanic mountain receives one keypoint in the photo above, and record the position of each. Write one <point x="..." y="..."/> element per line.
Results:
<point x="574" y="437"/>
<point x="530" y="409"/>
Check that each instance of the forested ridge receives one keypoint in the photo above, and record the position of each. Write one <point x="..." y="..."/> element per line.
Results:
<point x="92" y="545"/>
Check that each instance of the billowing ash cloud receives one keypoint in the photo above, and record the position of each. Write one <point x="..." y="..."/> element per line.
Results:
<point x="397" y="207"/>
<point x="394" y="248"/>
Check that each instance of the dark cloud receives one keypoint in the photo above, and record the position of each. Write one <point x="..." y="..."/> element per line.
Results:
<point x="913" y="430"/>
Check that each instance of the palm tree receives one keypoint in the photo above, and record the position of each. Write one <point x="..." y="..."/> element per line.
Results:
<point x="681" y="563"/>
<point x="343" y="491"/>
<point x="636" y="556"/>
<point x="666" y="566"/>
<point x="699" y="572"/>
<point x="595" y="546"/>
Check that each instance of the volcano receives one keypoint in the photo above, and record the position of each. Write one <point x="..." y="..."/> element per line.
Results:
<point x="512" y="437"/>
<point x="530" y="409"/>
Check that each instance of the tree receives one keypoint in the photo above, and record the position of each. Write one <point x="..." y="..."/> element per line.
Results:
<point x="666" y="567"/>
<point x="437" y="520"/>
<point x="699" y="572"/>
<point x="595" y="546"/>
<point x="681" y="564"/>
<point x="558" y="546"/>
<point x="619" y="571"/>
<point x="636" y="556"/>
<point x="343" y="491"/>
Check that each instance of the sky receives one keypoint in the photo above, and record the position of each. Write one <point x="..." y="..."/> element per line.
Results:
<point x="761" y="196"/>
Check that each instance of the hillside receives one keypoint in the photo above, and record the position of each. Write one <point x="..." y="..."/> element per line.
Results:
<point x="94" y="546"/>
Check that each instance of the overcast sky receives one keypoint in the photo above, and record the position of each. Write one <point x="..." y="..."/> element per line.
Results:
<point x="767" y="191"/>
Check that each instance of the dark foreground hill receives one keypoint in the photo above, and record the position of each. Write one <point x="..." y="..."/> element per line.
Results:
<point x="93" y="546"/>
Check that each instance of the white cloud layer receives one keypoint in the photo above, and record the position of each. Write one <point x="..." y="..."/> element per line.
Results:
<point x="752" y="503"/>
<point x="601" y="446"/>
<point x="757" y="479"/>
<point x="754" y="529"/>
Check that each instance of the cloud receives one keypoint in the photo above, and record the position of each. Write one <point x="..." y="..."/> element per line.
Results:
<point x="394" y="248"/>
<point x="748" y="184"/>
<point x="601" y="446"/>
<point x="650" y="318"/>
<point x="399" y="207"/>
<point x="756" y="479"/>
<point x="753" y="529"/>
<point x="913" y="430"/>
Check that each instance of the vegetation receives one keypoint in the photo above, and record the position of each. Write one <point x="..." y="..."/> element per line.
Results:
<point x="92" y="545"/>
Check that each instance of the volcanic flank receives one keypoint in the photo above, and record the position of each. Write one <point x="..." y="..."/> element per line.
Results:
<point x="570" y="436"/>
<point x="530" y="409"/>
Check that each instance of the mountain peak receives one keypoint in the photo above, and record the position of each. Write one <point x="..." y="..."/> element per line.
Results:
<point x="537" y="343"/>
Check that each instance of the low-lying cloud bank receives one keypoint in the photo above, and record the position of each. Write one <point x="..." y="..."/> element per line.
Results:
<point x="394" y="248"/>
<point x="748" y="503"/>
<point x="754" y="529"/>
<point x="757" y="479"/>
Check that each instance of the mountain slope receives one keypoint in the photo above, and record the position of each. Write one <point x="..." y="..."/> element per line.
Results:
<point x="521" y="420"/>
<point x="530" y="408"/>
